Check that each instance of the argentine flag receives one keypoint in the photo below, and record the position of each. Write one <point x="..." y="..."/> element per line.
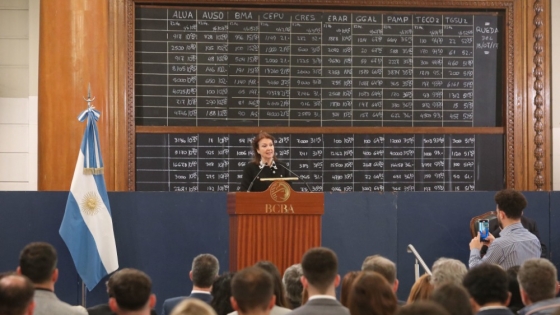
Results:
<point x="87" y="227"/>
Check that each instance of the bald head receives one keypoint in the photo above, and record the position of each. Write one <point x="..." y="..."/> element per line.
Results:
<point x="16" y="295"/>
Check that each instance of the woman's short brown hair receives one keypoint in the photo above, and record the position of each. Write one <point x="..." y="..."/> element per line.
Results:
<point x="421" y="289"/>
<point x="371" y="294"/>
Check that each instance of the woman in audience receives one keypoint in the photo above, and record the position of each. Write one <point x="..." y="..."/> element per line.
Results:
<point x="371" y="294"/>
<point x="346" y="286"/>
<point x="515" y="303"/>
<point x="293" y="286"/>
<point x="278" y="286"/>
<point x="421" y="289"/>
<point x="193" y="307"/>
<point x="423" y="307"/>
<point x="221" y="294"/>
<point x="454" y="298"/>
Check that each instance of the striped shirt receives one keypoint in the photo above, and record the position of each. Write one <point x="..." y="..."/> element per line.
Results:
<point x="514" y="246"/>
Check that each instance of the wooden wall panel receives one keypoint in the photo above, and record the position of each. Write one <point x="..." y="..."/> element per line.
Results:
<point x="73" y="52"/>
<point x="538" y="104"/>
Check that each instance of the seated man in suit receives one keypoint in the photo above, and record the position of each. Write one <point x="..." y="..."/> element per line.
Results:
<point x="320" y="278"/>
<point x="252" y="291"/>
<point x="104" y="309"/>
<point x="453" y="297"/>
<point x="448" y="270"/>
<point x="37" y="262"/>
<point x="538" y="285"/>
<point x="16" y="295"/>
<point x="131" y="292"/>
<point x="205" y="269"/>
<point x="488" y="287"/>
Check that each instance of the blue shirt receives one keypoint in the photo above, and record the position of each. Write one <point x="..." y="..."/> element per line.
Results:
<point x="514" y="246"/>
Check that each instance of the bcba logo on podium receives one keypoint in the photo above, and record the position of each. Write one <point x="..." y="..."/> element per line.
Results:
<point x="279" y="192"/>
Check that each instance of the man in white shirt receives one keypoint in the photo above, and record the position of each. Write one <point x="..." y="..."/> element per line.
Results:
<point x="320" y="278"/>
<point x="205" y="269"/>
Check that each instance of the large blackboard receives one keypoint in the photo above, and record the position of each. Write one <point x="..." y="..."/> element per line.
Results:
<point x="327" y="162"/>
<point x="199" y="66"/>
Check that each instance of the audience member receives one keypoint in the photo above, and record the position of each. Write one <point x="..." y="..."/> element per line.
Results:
<point x="423" y="307"/>
<point x="105" y="309"/>
<point x="371" y="294"/>
<point x="320" y="278"/>
<point x="131" y="292"/>
<point x="37" y="262"/>
<point x="205" y="269"/>
<point x="279" y="308"/>
<point x="421" y="289"/>
<point x="515" y="244"/>
<point x="528" y="223"/>
<point x="488" y="287"/>
<point x="538" y="285"/>
<point x="221" y="294"/>
<point x="252" y="291"/>
<point x="293" y="286"/>
<point x="386" y="268"/>
<point x="279" y="291"/>
<point x="454" y="298"/>
<point x="515" y="302"/>
<point x="448" y="270"/>
<point x="16" y="295"/>
<point x="346" y="286"/>
<point x="193" y="307"/>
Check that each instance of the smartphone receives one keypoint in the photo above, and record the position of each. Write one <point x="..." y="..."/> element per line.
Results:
<point x="484" y="229"/>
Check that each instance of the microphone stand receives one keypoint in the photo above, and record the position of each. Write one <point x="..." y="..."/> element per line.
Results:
<point x="296" y="175"/>
<point x="411" y="249"/>
<point x="252" y="182"/>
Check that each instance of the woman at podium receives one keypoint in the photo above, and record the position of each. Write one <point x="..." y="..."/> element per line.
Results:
<point x="264" y="165"/>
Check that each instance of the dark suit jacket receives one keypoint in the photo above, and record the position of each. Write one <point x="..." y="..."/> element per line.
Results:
<point x="497" y="311"/>
<point x="527" y="223"/>
<point x="169" y="304"/>
<point x="250" y="173"/>
<point x="321" y="307"/>
<point x="104" y="309"/>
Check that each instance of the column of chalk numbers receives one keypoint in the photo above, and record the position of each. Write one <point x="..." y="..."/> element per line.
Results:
<point x="243" y="47"/>
<point x="182" y="68"/>
<point x="183" y="162"/>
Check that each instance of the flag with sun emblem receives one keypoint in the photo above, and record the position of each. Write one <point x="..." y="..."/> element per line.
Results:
<point x="87" y="227"/>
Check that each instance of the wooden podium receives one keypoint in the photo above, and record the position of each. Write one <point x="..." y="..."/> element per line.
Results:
<point x="278" y="225"/>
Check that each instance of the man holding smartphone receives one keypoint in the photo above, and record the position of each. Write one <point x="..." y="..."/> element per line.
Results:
<point x="515" y="244"/>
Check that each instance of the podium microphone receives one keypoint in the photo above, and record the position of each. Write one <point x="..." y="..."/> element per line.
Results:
<point x="257" y="176"/>
<point x="296" y="175"/>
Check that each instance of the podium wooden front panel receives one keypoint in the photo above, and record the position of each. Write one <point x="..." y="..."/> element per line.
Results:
<point x="261" y="228"/>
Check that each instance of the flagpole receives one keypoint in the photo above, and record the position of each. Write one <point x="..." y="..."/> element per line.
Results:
<point x="89" y="100"/>
<point x="83" y="294"/>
